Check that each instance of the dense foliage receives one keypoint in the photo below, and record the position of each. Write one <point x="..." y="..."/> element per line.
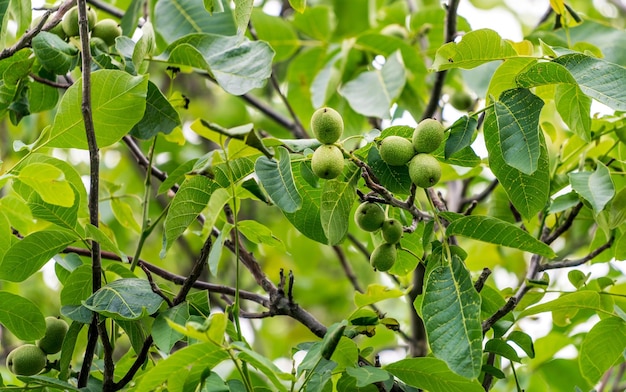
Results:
<point x="157" y="193"/>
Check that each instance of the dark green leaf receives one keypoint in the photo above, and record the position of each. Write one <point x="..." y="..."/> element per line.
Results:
<point x="159" y="116"/>
<point x="431" y="374"/>
<point x="528" y="193"/>
<point x="125" y="299"/>
<point x="597" y="78"/>
<point x="500" y="347"/>
<point x="366" y="375"/>
<point x="496" y="231"/>
<point x="461" y="133"/>
<point x="337" y="200"/>
<point x="517" y="114"/>
<point x="451" y="312"/>
<point x="307" y="219"/>
<point x="55" y="54"/>
<point x="523" y="341"/>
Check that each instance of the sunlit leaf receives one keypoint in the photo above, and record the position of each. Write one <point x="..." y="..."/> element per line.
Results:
<point x="602" y="347"/>
<point x="277" y="179"/>
<point x="431" y="374"/>
<point x="596" y="187"/>
<point x="125" y="299"/>
<point x="21" y="316"/>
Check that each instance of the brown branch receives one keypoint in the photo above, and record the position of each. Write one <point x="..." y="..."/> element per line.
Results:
<point x="482" y="195"/>
<point x="108" y="8"/>
<point x="195" y="272"/>
<point x="480" y="282"/>
<point x="450" y="33"/>
<point x="48" y="82"/>
<point x="155" y="288"/>
<point x="566" y="225"/>
<point x="45" y="24"/>
<point x="347" y="269"/>
<point x="574" y="263"/>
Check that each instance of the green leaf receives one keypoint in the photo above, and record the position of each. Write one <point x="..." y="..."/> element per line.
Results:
<point x="451" y="313"/>
<point x="49" y="382"/>
<point x="258" y="233"/>
<point x="20" y="316"/>
<point x="65" y="217"/>
<point x="373" y="92"/>
<point x="431" y="374"/>
<point x="569" y="302"/>
<point x="375" y="293"/>
<point x="41" y="97"/>
<point x="597" y="78"/>
<point x="395" y="178"/>
<point x="216" y="250"/>
<point x="298" y="5"/>
<point x="366" y="375"/>
<point x="528" y="193"/>
<point x="307" y="219"/>
<point x="55" y="54"/>
<point x="572" y="104"/>
<point x="475" y="48"/>
<point x="49" y="182"/>
<point x="523" y="341"/>
<point x="500" y="347"/>
<point x="159" y="116"/>
<point x="67" y="350"/>
<point x="175" y="19"/>
<point x="602" y="348"/>
<point x="203" y="356"/>
<point x="337" y="200"/>
<point x="243" y="10"/>
<point x="118" y="103"/>
<point x="595" y="187"/>
<point x="496" y="231"/>
<point x="192" y="197"/>
<point x="264" y="365"/>
<point x="77" y="287"/>
<point x="574" y="107"/>
<point x="318" y="22"/>
<point x="277" y="179"/>
<point x="238" y="65"/>
<point x="125" y="299"/>
<point x="28" y="255"/>
<point x="517" y="114"/>
<point x="461" y="133"/>
<point x="277" y="32"/>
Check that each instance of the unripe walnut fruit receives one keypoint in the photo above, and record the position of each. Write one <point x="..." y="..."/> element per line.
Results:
<point x="384" y="257"/>
<point x="26" y="360"/>
<point x="327" y="125"/>
<point x="107" y="30"/>
<point x="369" y="216"/>
<point x="327" y="161"/>
<point x="424" y="170"/>
<point x="392" y="231"/>
<point x="461" y="100"/>
<point x="52" y="340"/>
<point x="396" y="150"/>
<point x="70" y="21"/>
<point x="427" y="136"/>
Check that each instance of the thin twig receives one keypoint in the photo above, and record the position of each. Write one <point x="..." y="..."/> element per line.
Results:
<point x="195" y="272"/>
<point x="480" y="282"/>
<point x="450" y="33"/>
<point x="155" y="288"/>
<point x="48" y="82"/>
<point x="574" y="263"/>
<point x="566" y="225"/>
<point x="347" y="269"/>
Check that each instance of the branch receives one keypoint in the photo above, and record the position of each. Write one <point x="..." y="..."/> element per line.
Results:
<point x="108" y="8"/>
<point x="48" y="82"/>
<point x="574" y="263"/>
<point x="435" y="96"/>
<point x="195" y="272"/>
<point x="45" y="24"/>
<point x="566" y="225"/>
<point x="480" y="282"/>
<point x="347" y="269"/>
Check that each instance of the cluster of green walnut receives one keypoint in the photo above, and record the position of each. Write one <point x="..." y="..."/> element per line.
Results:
<point x="424" y="170"/>
<point x="103" y="32"/>
<point x="31" y="359"/>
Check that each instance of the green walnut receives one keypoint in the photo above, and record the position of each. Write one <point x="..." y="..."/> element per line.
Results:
<point x="327" y="162"/>
<point x="70" y="21"/>
<point x="392" y="231"/>
<point x="107" y="30"/>
<point x="327" y="125"/>
<point x="396" y="150"/>
<point x="424" y="170"/>
<point x="26" y="360"/>
<point x="462" y="101"/>
<point x="427" y="136"/>
<point x="384" y="257"/>
<point x="369" y="216"/>
<point x="52" y="340"/>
